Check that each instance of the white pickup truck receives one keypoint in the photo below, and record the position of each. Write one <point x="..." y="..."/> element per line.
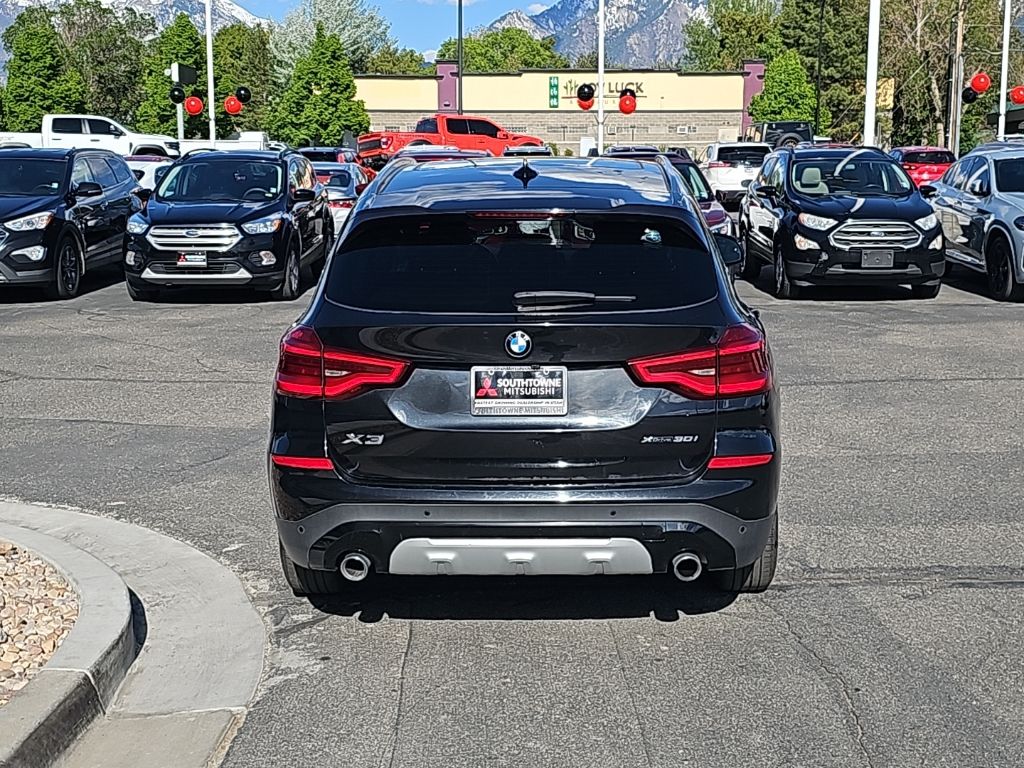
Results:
<point x="84" y="131"/>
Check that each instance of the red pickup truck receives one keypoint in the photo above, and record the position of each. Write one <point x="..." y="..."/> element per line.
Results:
<point x="462" y="131"/>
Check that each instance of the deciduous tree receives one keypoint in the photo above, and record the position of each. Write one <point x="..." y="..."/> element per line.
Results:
<point x="504" y="50"/>
<point x="788" y="93"/>
<point x="241" y="57"/>
<point x="180" y="42"/>
<point x="729" y="32"/>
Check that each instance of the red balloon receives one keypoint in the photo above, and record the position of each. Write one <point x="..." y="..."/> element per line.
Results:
<point x="1017" y="94"/>
<point x="193" y="105"/>
<point x="585" y="104"/>
<point x="232" y="105"/>
<point x="981" y="82"/>
<point x="627" y="105"/>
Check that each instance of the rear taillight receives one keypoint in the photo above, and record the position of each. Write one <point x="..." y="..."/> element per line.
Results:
<point x="740" y="462"/>
<point x="738" y="366"/>
<point x="341" y="203"/>
<point x="307" y="369"/>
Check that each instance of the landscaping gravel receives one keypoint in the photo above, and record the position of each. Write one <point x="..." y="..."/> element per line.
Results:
<point x="37" y="610"/>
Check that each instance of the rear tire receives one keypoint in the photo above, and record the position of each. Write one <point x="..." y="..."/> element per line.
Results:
<point x="305" y="581"/>
<point x="925" y="291"/>
<point x="1002" y="283"/>
<point x="758" y="576"/>
<point x="291" y="282"/>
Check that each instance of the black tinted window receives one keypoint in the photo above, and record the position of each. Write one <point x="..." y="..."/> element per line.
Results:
<point x="1010" y="175"/>
<point x="67" y="125"/>
<point x="742" y="155"/>
<point x="99" y="126"/>
<point x="469" y="264"/>
<point x="483" y="128"/>
<point x="121" y="170"/>
<point x="458" y="125"/>
<point x="28" y="176"/>
<point x="335" y="179"/>
<point x="427" y="125"/>
<point x="102" y="172"/>
<point x="930" y="157"/>
<point x="320" y="155"/>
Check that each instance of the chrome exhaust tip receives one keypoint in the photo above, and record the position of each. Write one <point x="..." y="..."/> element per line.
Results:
<point x="686" y="566"/>
<point x="355" y="566"/>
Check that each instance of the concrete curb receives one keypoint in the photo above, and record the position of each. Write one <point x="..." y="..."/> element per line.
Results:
<point x="79" y="682"/>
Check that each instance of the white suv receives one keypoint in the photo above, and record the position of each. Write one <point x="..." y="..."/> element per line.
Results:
<point x="730" y="167"/>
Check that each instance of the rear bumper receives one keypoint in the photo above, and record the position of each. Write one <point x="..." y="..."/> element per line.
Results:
<point x="723" y="540"/>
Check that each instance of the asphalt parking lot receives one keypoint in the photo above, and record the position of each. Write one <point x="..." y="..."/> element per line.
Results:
<point x="892" y="636"/>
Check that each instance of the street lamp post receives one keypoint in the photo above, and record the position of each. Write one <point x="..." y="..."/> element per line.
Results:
<point x="600" y="77"/>
<point x="1003" y="67"/>
<point x="461" y="63"/>
<point x="817" y="70"/>
<point x="211" y="94"/>
<point x="871" y="81"/>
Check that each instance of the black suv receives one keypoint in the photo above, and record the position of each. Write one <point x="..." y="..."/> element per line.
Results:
<point x="229" y="218"/>
<point x="783" y="133"/>
<point x="64" y="212"/>
<point x="526" y="368"/>
<point x="847" y="216"/>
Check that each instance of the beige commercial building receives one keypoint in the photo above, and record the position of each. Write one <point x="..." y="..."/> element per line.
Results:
<point x="673" y="109"/>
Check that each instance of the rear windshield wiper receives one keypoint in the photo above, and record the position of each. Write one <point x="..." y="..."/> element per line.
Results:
<point x="563" y="299"/>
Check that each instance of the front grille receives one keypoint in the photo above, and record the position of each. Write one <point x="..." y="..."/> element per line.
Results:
<point x="203" y="237"/>
<point x="366" y="146"/>
<point x="170" y="268"/>
<point x="876" y="234"/>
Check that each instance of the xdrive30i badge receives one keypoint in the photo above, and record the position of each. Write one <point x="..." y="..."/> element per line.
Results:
<point x="518" y="344"/>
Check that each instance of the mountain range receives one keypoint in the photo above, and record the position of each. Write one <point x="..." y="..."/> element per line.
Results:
<point x="224" y="11"/>
<point x="639" y="33"/>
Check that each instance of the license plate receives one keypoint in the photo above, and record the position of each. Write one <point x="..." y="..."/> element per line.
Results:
<point x="876" y="259"/>
<point x="519" y="391"/>
<point x="192" y="259"/>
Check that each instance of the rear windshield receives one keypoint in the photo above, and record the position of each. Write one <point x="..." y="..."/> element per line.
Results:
<point x="458" y="263"/>
<point x="742" y="155"/>
<point x="931" y="157"/>
<point x="334" y="179"/>
<point x="427" y="125"/>
<point x="320" y="156"/>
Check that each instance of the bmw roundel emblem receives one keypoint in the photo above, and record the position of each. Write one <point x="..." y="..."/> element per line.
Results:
<point x="518" y="344"/>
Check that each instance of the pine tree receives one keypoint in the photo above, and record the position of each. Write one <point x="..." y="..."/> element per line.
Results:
<point x="788" y="93"/>
<point x="319" y="105"/>
<point x="241" y="57"/>
<point x="180" y="42"/>
<point x="39" y="80"/>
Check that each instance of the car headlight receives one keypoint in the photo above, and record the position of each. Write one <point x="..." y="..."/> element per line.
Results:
<point x="724" y="227"/>
<point x="928" y="222"/>
<point x="805" y="243"/>
<point x="137" y="225"/>
<point x="811" y="221"/>
<point x="28" y="223"/>
<point x="1019" y="222"/>
<point x="265" y="226"/>
<point x="936" y="244"/>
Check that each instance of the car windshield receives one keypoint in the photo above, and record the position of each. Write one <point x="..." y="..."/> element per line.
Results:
<point x="742" y="155"/>
<point x="20" y="176"/>
<point x="465" y="263"/>
<point x="855" y="174"/>
<point x="694" y="180"/>
<point x="929" y="157"/>
<point x="1010" y="174"/>
<point x="221" y="180"/>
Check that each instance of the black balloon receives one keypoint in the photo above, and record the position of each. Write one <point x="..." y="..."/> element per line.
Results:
<point x="585" y="92"/>
<point x="969" y="96"/>
<point x="243" y="94"/>
<point x="178" y="95"/>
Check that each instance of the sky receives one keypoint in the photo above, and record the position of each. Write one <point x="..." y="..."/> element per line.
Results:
<point x="419" y="24"/>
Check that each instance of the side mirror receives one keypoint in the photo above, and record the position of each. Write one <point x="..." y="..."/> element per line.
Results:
<point x="360" y="188"/>
<point x="115" y="131"/>
<point x="731" y="252"/>
<point x="160" y="173"/>
<point x="144" y="194"/>
<point x="927" y="191"/>
<point x="502" y="134"/>
<point x="764" y="191"/>
<point x="303" y="195"/>
<point x="88" y="189"/>
<point x="978" y="188"/>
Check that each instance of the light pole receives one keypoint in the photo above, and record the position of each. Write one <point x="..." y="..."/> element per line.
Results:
<point x="871" y="81"/>
<point x="600" y="77"/>
<point x="211" y="94"/>
<point x="461" y="59"/>
<point x="1003" y="67"/>
<point x="817" y="70"/>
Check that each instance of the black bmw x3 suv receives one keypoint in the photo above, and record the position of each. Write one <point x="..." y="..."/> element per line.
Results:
<point x="229" y="218"/>
<point x="531" y="367"/>
<point x="840" y="216"/>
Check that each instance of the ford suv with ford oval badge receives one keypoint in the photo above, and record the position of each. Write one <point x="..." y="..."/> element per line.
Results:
<point x="221" y="219"/>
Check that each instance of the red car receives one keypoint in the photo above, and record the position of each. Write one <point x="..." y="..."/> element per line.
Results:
<point x="923" y="164"/>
